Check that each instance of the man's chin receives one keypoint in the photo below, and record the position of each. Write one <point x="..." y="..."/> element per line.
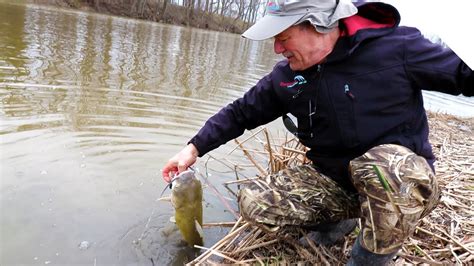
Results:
<point x="295" y="67"/>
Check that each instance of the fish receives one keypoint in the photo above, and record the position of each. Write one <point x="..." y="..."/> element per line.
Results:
<point x="186" y="197"/>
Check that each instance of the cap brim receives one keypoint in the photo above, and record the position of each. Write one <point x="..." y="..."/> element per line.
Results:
<point x="269" y="26"/>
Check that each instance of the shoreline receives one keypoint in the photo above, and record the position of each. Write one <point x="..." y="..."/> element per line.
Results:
<point x="152" y="12"/>
<point x="435" y="240"/>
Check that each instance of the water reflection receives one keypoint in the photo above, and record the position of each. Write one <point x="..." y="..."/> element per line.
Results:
<point x="77" y="63"/>
<point x="91" y="107"/>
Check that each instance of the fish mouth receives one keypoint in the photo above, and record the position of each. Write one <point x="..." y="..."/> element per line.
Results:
<point x="174" y="180"/>
<point x="182" y="177"/>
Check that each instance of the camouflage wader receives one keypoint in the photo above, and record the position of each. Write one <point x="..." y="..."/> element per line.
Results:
<point x="396" y="188"/>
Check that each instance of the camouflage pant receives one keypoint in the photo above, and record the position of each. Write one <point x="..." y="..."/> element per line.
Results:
<point x="396" y="188"/>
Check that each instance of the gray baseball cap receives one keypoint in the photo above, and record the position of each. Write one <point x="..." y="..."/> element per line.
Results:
<point x="282" y="14"/>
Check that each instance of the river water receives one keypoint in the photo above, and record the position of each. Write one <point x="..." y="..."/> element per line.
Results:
<point x="92" y="106"/>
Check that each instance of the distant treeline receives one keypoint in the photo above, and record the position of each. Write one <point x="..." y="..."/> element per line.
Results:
<point x="222" y="15"/>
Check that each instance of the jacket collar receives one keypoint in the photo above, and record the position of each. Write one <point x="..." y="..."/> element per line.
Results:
<point x="372" y="20"/>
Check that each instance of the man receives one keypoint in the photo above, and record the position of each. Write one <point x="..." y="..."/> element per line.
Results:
<point x="353" y="79"/>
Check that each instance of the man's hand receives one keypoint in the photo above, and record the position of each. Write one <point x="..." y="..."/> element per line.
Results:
<point x="180" y="162"/>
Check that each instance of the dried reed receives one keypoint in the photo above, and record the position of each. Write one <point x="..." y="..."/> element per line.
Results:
<point x="445" y="236"/>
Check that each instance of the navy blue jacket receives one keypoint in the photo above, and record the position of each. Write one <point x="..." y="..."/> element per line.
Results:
<point x="367" y="93"/>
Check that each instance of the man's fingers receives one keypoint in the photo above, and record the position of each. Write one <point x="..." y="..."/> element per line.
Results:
<point x="180" y="162"/>
<point x="166" y="172"/>
<point x="182" y="166"/>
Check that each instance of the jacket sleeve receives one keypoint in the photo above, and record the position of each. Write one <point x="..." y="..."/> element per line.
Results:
<point x="258" y="106"/>
<point x="434" y="67"/>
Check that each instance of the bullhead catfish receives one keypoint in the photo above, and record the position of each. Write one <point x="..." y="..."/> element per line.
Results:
<point x="186" y="197"/>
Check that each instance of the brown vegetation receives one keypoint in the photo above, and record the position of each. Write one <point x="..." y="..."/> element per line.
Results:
<point x="221" y="15"/>
<point x="445" y="236"/>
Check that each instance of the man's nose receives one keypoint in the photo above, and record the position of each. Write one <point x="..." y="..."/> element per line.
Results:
<point x="278" y="47"/>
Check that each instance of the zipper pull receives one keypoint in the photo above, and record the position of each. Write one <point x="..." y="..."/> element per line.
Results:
<point x="297" y="93"/>
<point x="348" y="92"/>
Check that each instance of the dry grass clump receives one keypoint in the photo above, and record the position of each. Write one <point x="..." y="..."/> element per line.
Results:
<point x="445" y="236"/>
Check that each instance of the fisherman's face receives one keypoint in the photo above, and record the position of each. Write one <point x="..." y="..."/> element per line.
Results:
<point x="303" y="46"/>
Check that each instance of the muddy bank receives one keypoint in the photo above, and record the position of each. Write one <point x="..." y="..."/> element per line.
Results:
<point x="155" y="11"/>
<point x="445" y="236"/>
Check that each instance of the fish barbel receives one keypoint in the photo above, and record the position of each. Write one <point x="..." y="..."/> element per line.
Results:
<point x="186" y="197"/>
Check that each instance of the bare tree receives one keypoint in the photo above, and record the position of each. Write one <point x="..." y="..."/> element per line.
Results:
<point x="225" y="6"/>
<point x="206" y="8"/>
<point x="255" y="8"/>
<point x="217" y="8"/>
<point x="240" y="7"/>
<point x="138" y="8"/>
<point x="163" y="9"/>
<point x="189" y="4"/>
<point x="248" y="13"/>
<point x="231" y="15"/>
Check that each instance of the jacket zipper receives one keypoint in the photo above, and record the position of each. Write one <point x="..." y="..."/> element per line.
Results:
<point x="313" y="107"/>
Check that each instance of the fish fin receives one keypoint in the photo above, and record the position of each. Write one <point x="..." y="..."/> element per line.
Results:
<point x="199" y="229"/>
<point x="172" y="219"/>
<point x="168" y="198"/>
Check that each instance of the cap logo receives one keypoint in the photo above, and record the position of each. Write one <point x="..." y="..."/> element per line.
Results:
<point x="273" y="7"/>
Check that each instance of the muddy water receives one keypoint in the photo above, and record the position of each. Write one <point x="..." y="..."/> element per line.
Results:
<point x="91" y="108"/>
